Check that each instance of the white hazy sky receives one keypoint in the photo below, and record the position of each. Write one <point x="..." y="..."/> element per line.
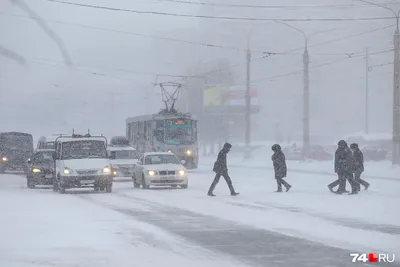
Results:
<point x="45" y="96"/>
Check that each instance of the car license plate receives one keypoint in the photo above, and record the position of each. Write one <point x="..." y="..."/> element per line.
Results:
<point x="48" y="176"/>
<point x="87" y="181"/>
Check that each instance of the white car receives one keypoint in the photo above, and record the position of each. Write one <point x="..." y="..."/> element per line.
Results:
<point x="160" y="169"/>
<point x="123" y="160"/>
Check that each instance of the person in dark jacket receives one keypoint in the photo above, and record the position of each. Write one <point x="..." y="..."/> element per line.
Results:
<point x="221" y="169"/>
<point x="359" y="168"/>
<point x="344" y="167"/>
<point x="279" y="162"/>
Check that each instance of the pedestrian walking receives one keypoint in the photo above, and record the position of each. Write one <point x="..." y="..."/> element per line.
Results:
<point x="359" y="167"/>
<point x="344" y="167"/>
<point x="280" y="169"/>
<point x="221" y="169"/>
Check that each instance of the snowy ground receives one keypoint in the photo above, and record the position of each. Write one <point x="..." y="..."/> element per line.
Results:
<point x="308" y="226"/>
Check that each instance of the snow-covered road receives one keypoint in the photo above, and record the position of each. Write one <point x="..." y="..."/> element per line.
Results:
<point x="308" y="226"/>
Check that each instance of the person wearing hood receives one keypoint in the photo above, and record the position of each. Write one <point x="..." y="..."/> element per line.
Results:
<point x="279" y="162"/>
<point x="344" y="167"/>
<point x="359" y="166"/>
<point x="221" y="169"/>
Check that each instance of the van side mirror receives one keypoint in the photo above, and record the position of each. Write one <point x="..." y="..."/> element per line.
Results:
<point x="139" y="162"/>
<point x="29" y="161"/>
<point x="183" y="162"/>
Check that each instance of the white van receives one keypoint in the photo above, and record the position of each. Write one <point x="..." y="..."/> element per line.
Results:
<point x="82" y="161"/>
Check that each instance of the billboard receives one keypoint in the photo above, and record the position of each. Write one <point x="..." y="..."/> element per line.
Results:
<point x="229" y="99"/>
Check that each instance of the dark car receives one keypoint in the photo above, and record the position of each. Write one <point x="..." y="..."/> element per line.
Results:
<point x="15" y="150"/>
<point x="41" y="168"/>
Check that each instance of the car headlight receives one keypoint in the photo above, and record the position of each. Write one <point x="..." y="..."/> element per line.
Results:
<point x="169" y="151"/>
<point x="106" y="170"/>
<point x="4" y="158"/>
<point x="67" y="171"/>
<point x="181" y="172"/>
<point x="35" y="170"/>
<point x="189" y="152"/>
<point x="152" y="173"/>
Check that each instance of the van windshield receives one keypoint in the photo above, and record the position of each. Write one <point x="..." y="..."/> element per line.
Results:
<point x="83" y="149"/>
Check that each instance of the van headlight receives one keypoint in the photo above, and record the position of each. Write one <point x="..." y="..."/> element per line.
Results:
<point x="5" y="159"/>
<point x="36" y="170"/>
<point x="67" y="171"/>
<point x="152" y="173"/>
<point x="181" y="172"/>
<point x="106" y="170"/>
<point x="189" y="152"/>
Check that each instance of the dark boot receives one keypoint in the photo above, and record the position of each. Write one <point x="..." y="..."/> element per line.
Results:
<point x="288" y="188"/>
<point x="366" y="187"/>
<point x="331" y="188"/>
<point x="210" y="194"/>
<point x="234" y="194"/>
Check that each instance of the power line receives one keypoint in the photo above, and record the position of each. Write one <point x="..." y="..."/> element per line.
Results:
<point x="301" y="48"/>
<point x="214" y="17"/>
<point x="193" y="42"/>
<point x="312" y="67"/>
<point x="267" y="6"/>
<point x="380" y="65"/>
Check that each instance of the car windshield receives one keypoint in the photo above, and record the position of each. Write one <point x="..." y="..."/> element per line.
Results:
<point x="83" y="149"/>
<point x="50" y="145"/>
<point x="42" y="157"/>
<point x="126" y="154"/>
<point x="161" y="159"/>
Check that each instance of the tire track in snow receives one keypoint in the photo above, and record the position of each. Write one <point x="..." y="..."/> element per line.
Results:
<point x="348" y="222"/>
<point x="256" y="247"/>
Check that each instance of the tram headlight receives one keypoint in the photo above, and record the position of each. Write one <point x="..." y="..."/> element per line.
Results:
<point x="189" y="152"/>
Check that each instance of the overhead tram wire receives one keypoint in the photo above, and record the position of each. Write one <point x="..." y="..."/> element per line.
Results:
<point x="267" y="6"/>
<point x="214" y="17"/>
<point x="193" y="42"/>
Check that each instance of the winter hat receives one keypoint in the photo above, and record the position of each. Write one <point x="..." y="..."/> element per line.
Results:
<point x="276" y="147"/>
<point x="227" y="146"/>
<point x="354" y="146"/>
<point x="342" y="143"/>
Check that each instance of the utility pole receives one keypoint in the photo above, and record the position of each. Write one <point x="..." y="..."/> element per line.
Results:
<point x="306" y="102"/>
<point x="248" y="103"/>
<point x="367" y="92"/>
<point x="396" y="98"/>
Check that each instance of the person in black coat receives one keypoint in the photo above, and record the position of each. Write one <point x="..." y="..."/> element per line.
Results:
<point x="344" y="167"/>
<point x="221" y="169"/>
<point x="359" y="167"/>
<point x="279" y="162"/>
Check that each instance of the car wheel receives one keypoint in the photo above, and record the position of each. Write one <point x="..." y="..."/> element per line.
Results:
<point x="102" y="188"/>
<point x="55" y="185"/>
<point x="135" y="183"/>
<point x="96" y="188"/>
<point x="61" y="188"/>
<point x="184" y="186"/>
<point x="2" y="170"/>
<point x="30" y="184"/>
<point x="109" y="187"/>
<point x="144" y="186"/>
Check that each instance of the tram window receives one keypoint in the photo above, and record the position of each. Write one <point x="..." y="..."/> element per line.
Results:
<point x="159" y="135"/>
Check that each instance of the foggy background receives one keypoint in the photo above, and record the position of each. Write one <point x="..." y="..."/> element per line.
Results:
<point x="114" y="65"/>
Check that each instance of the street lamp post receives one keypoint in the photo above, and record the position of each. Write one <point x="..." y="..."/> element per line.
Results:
<point x="396" y="86"/>
<point x="306" y="85"/>
<point x="247" y="153"/>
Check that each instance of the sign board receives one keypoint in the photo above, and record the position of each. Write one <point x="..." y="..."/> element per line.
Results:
<point x="229" y="99"/>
